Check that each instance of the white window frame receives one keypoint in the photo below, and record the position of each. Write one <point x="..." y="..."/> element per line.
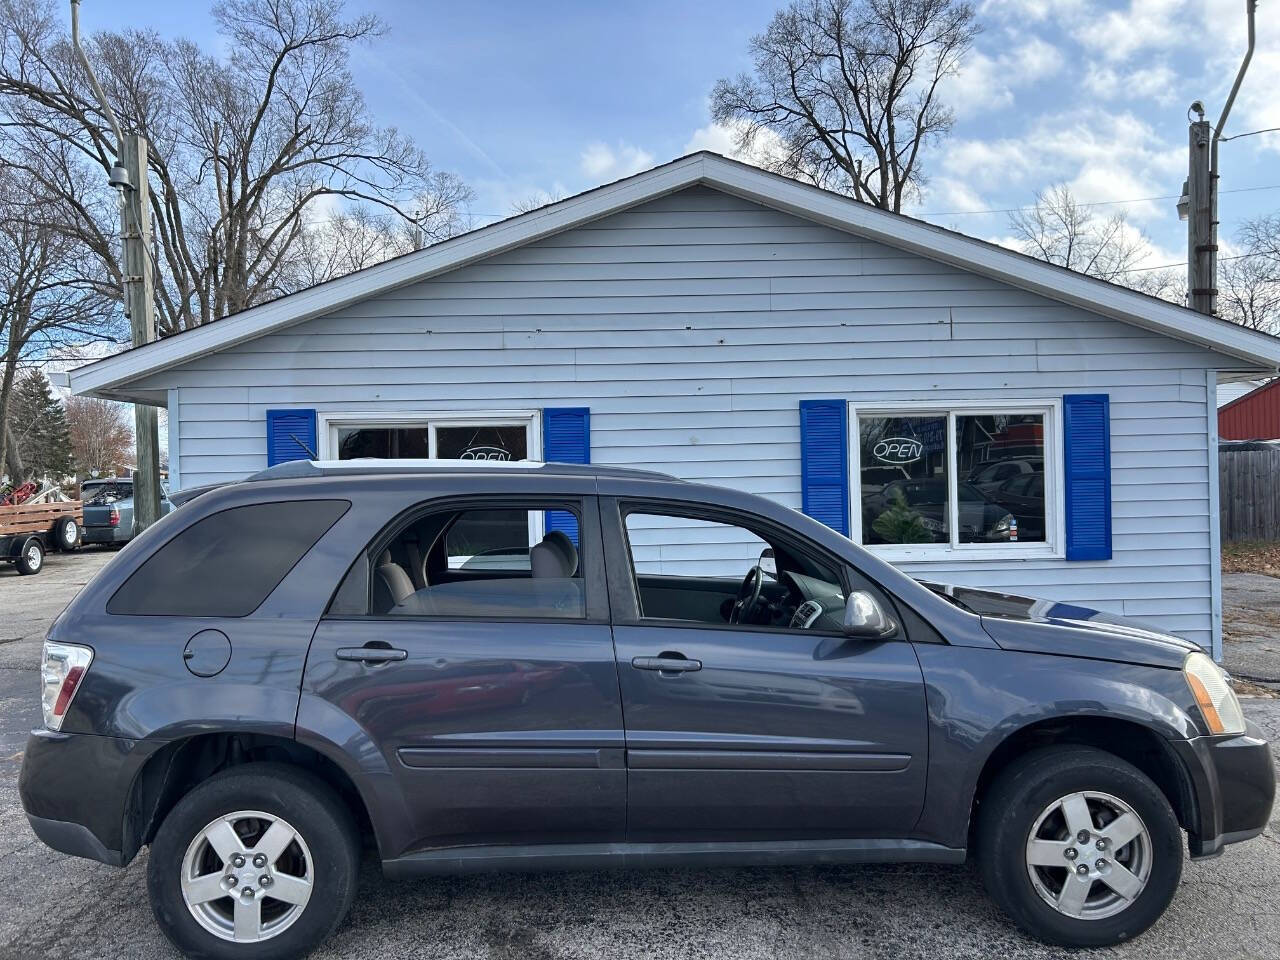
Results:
<point x="328" y="426"/>
<point x="1054" y="479"/>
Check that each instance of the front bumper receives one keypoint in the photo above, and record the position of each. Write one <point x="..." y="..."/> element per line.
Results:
<point x="1233" y="784"/>
<point x="75" y="788"/>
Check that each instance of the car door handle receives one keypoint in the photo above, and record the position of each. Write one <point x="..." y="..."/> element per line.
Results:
<point x="370" y="654"/>
<point x="666" y="664"/>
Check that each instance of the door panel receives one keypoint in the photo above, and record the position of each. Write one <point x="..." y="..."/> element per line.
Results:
<point x="777" y="736"/>
<point x="686" y="598"/>
<point x="496" y="732"/>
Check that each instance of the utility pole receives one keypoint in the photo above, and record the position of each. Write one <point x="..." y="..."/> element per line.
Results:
<point x="1199" y="203"/>
<point x="1201" y="272"/>
<point x="135" y="232"/>
<point x="129" y="176"/>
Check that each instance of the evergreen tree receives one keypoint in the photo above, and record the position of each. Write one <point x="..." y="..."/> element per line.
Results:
<point x="38" y="425"/>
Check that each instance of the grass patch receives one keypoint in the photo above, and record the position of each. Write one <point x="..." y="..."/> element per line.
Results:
<point x="1252" y="556"/>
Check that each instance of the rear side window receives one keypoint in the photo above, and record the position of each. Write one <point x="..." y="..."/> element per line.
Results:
<point x="228" y="563"/>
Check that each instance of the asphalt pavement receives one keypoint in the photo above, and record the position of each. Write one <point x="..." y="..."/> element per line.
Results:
<point x="53" y="906"/>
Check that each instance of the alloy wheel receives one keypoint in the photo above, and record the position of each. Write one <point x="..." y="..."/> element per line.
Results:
<point x="1089" y="855"/>
<point x="247" y="876"/>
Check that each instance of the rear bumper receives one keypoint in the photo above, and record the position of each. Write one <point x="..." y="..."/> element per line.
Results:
<point x="74" y="788"/>
<point x="105" y="535"/>
<point x="75" y="839"/>
<point x="1234" y="786"/>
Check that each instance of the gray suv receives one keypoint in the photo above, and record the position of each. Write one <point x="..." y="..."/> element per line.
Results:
<point x="462" y="667"/>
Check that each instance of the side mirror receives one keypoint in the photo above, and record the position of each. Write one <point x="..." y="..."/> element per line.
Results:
<point x="864" y="617"/>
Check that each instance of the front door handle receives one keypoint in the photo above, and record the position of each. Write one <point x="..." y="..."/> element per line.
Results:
<point x="666" y="663"/>
<point x="371" y="654"/>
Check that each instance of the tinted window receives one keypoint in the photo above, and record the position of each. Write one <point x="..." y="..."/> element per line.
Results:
<point x="228" y="563"/>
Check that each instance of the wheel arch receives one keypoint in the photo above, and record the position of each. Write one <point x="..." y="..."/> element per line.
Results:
<point x="1129" y="740"/>
<point x="180" y="765"/>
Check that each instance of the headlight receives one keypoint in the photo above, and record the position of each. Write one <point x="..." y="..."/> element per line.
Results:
<point x="1213" y="693"/>
<point x="62" y="667"/>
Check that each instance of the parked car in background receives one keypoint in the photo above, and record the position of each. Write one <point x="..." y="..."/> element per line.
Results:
<point x="1023" y="496"/>
<point x="989" y="477"/>
<point x="981" y="519"/>
<point x="291" y="666"/>
<point x="108" y="509"/>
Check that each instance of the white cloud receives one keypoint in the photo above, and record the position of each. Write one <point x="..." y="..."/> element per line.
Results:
<point x="723" y="139"/>
<point x="1257" y="106"/>
<point x="603" y="162"/>
<point x="1144" y="25"/>
<point x="987" y="83"/>
<point x="1156" y="82"/>
<point x="1101" y="156"/>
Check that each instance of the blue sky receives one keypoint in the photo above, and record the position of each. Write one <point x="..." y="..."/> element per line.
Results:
<point x="522" y="98"/>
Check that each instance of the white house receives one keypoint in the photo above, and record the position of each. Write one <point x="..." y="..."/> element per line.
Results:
<point x="976" y="415"/>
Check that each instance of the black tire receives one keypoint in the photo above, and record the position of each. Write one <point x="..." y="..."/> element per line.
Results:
<point x="31" y="559"/>
<point x="1009" y="810"/>
<point x="65" y="535"/>
<point x="317" y="814"/>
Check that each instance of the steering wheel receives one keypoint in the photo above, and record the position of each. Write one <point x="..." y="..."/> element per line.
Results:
<point x="748" y="596"/>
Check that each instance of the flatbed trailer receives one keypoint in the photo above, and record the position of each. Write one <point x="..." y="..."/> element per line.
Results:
<point x="28" y="531"/>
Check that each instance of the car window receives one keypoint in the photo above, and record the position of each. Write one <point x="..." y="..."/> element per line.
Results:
<point x="1018" y="486"/>
<point x="686" y="546"/>
<point x="496" y="562"/>
<point x="490" y="540"/>
<point x="699" y="570"/>
<point x="226" y="564"/>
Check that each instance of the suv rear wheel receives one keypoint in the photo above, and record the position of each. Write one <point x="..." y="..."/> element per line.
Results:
<point x="258" y="861"/>
<point x="1079" y="847"/>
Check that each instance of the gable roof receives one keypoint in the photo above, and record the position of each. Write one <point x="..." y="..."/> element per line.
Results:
<point x="112" y="376"/>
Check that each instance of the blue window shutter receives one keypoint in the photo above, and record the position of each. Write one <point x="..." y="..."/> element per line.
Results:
<point x="1086" y="439"/>
<point x="291" y="435"/>
<point x="566" y="438"/>
<point x="824" y="462"/>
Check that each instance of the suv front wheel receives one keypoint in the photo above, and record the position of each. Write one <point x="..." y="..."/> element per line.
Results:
<point x="258" y="861"/>
<point x="1079" y="847"/>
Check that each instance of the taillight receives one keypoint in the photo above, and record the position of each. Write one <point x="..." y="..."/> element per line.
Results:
<point x="113" y="517"/>
<point x="62" y="667"/>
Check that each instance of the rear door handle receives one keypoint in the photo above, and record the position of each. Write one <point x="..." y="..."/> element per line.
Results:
<point x="666" y="664"/>
<point x="370" y="654"/>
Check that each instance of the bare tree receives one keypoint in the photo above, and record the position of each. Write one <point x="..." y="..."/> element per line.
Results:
<point x="48" y="297"/>
<point x="1249" y="291"/>
<point x="539" y="198"/>
<point x="1062" y="231"/>
<point x="850" y="89"/>
<point x="101" y="436"/>
<point x="243" y="144"/>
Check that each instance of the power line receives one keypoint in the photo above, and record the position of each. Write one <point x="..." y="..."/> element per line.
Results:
<point x="944" y="213"/>
<point x="1181" y="263"/>
<point x="1094" y="203"/>
<point x="1251" y="133"/>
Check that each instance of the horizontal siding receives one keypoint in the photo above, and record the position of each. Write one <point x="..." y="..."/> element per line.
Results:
<point x="692" y="327"/>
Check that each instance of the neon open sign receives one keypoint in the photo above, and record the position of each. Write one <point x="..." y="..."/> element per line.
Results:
<point x="898" y="450"/>
<point x="485" y="453"/>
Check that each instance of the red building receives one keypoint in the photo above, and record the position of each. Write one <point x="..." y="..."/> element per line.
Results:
<point x="1255" y="416"/>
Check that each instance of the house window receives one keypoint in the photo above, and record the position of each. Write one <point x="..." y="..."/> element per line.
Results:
<point x="446" y="435"/>
<point x="961" y="477"/>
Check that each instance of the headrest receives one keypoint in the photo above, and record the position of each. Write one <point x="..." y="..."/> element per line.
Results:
<point x="560" y="540"/>
<point x="547" y="560"/>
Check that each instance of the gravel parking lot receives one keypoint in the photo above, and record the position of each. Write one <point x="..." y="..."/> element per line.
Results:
<point x="55" y="906"/>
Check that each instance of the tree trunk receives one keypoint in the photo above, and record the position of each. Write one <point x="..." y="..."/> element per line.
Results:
<point x="10" y="459"/>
